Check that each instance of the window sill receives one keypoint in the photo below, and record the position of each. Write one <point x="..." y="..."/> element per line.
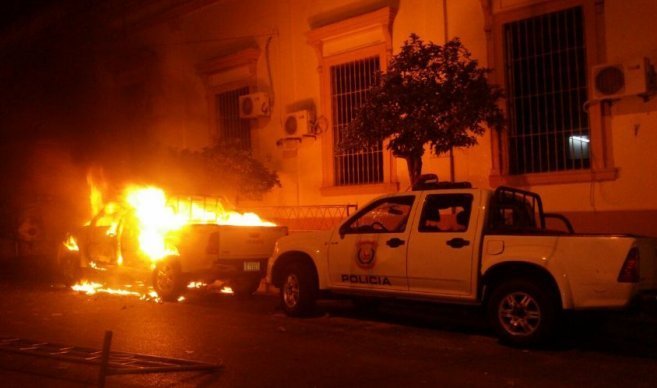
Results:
<point x="378" y="188"/>
<point x="553" y="178"/>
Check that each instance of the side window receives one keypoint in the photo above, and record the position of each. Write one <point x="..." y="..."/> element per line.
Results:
<point x="388" y="215"/>
<point x="446" y="213"/>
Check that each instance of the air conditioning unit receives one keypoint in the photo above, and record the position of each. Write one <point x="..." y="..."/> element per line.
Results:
<point x="612" y="81"/>
<point x="254" y="105"/>
<point x="298" y="123"/>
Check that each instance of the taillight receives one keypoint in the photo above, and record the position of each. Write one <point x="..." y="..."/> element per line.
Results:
<point x="629" y="273"/>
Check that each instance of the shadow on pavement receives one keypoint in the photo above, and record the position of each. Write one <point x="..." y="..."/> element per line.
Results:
<point x="622" y="333"/>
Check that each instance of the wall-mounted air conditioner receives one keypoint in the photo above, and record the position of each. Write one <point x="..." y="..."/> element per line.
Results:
<point x="298" y="123"/>
<point x="254" y="105"/>
<point x="612" y="81"/>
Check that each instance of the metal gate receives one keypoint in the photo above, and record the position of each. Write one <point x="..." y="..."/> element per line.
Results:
<point x="110" y="363"/>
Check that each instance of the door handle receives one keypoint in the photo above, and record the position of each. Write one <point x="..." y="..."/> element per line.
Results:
<point x="458" y="242"/>
<point x="394" y="242"/>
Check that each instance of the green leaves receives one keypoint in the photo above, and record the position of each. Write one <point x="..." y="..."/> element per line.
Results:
<point x="430" y="94"/>
<point x="227" y="169"/>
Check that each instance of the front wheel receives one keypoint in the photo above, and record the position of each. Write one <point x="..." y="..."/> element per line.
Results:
<point x="523" y="313"/>
<point x="168" y="280"/>
<point x="299" y="290"/>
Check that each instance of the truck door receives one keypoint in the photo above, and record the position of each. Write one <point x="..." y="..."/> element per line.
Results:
<point x="441" y="249"/>
<point x="369" y="252"/>
<point x="101" y="240"/>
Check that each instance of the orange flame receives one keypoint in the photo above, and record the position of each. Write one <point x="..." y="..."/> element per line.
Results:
<point x="157" y="220"/>
<point x="92" y="288"/>
<point x="71" y="244"/>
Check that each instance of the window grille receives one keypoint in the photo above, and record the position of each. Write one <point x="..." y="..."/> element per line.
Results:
<point x="230" y="127"/>
<point x="547" y="88"/>
<point x="350" y="83"/>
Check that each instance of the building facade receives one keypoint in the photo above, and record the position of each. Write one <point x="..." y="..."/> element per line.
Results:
<point x="284" y="77"/>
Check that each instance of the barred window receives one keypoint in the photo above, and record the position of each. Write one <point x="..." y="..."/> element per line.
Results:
<point x="229" y="124"/>
<point x="349" y="85"/>
<point x="547" y="87"/>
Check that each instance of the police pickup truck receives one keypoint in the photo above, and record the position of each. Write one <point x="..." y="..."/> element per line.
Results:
<point x="110" y="244"/>
<point x="449" y="242"/>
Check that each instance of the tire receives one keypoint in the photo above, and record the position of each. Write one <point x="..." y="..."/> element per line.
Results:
<point x="168" y="280"/>
<point x="298" y="291"/>
<point x="523" y="313"/>
<point x="245" y="286"/>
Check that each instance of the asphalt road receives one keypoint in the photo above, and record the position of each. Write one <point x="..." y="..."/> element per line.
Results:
<point x="338" y="347"/>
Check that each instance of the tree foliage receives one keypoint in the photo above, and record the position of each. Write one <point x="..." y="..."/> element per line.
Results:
<point x="430" y="94"/>
<point x="222" y="169"/>
<point x="227" y="162"/>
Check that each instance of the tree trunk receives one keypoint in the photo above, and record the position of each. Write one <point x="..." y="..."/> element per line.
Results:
<point x="414" y="165"/>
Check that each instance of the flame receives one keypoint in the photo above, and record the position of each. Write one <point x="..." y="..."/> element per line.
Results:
<point x="96" y="192"/>
<point x="226" y="290"/>
<point x="92" y="288"/>
<point x="157" y="221"/>
<point x="92" y="264"/>
<point x="159" y="218"/>
<point x="71" y="244"/>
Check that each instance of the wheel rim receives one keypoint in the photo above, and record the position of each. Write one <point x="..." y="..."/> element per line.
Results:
<point x="164" y="278"/>
<point x="519" y="314"/>
<point x="291" y="291"/>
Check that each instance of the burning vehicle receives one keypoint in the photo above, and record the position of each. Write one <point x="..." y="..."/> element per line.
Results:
<point x="173" y="241"/>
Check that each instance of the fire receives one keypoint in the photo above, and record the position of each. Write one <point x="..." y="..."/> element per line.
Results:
<point x="226" y="290"/>
<point x="96" y="193"/>
<point x="71" y="244"/>
<point x="158" y="218"/>
<point x="92" y="288"/>
<point x="155" y="221"/>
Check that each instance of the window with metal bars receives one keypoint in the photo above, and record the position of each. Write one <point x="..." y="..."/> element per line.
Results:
<point x="349" y="86"/>
<point x="547" y="87"/>
<point x="230" y="126"/>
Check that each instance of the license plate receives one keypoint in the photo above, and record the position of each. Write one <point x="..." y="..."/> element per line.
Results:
<point x="251" y="266"/>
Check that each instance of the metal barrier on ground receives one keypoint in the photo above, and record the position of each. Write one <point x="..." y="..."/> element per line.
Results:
<point x="110" y="363"/>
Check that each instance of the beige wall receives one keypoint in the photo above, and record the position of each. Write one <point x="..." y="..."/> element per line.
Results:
<point x="225" y="27"/>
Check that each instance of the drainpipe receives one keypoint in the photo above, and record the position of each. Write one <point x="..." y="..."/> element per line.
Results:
<point x="446" y="38"/>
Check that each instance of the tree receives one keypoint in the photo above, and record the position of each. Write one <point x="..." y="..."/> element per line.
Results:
<point x="227" y="169"/>
<point x="430" y="94"/>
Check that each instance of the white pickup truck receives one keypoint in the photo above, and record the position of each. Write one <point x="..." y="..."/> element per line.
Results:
<point x="449" y="242"/>
<point x="109" y="245"/>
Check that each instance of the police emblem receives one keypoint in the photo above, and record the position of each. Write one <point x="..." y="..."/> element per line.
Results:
<point x="366" y="254"/>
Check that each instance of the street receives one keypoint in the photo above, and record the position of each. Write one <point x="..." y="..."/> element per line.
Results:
<point x="397" y="345"/>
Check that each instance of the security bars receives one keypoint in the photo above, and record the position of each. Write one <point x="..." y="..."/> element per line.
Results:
<point x="547" y="87"/>
<point x="349" y="85"/>
<point x="230" y="127"/>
